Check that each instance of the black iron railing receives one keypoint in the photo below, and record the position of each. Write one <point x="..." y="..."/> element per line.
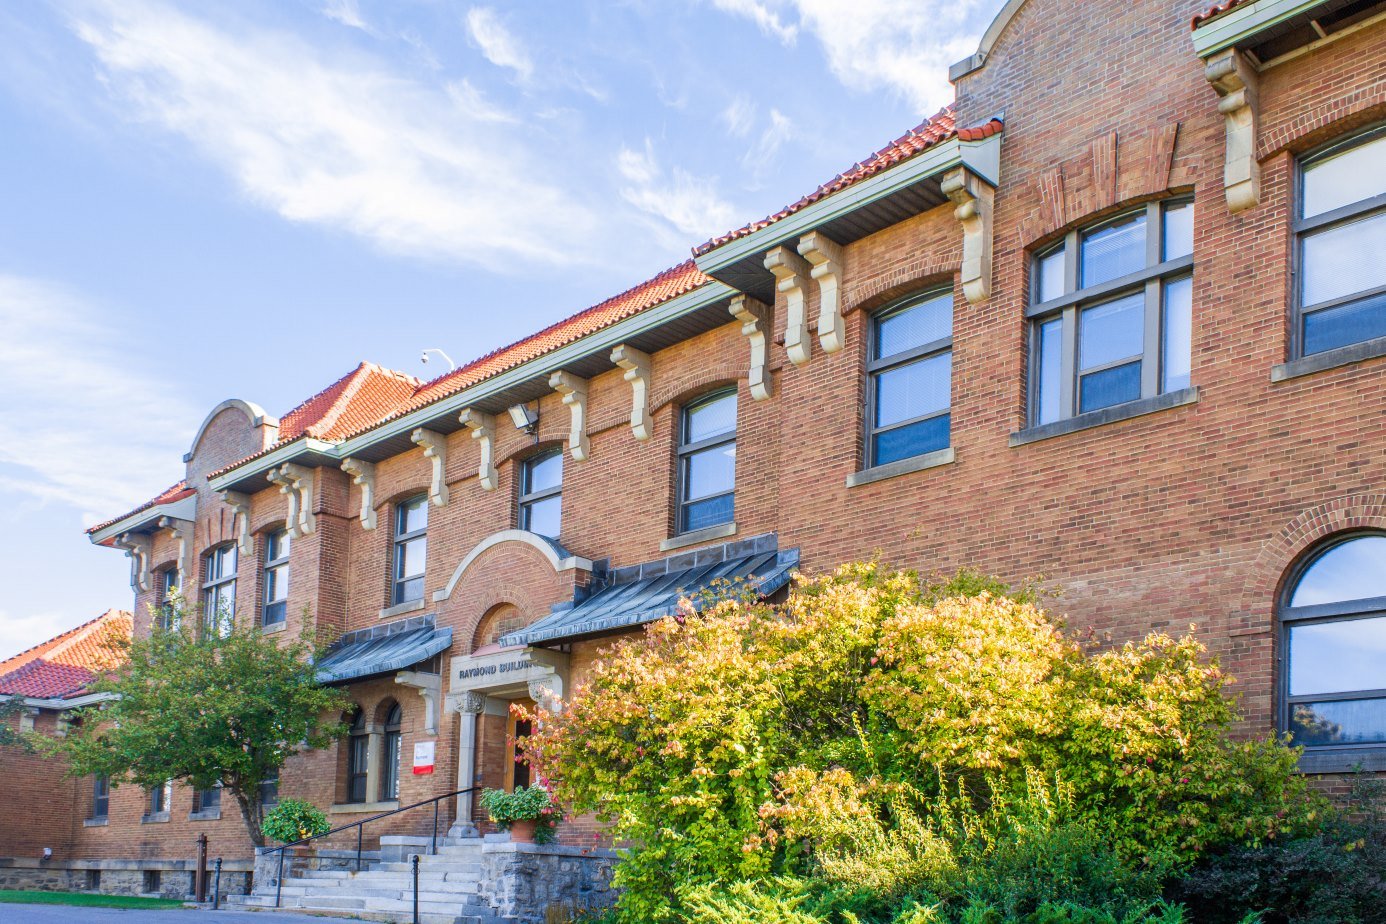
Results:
<point x="360" y="827"/>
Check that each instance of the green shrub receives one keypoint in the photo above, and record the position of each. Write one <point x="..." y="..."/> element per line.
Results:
<point x="294" y="820"/>
<point x="526" y="803"/>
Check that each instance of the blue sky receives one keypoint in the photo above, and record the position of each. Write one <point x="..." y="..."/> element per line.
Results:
<point x="211" y="200"/>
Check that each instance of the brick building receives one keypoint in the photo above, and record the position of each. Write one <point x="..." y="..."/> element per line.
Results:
<point x="1115" y="316"/>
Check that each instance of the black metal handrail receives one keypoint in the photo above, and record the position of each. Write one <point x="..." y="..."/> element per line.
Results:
<point x="360" y="829"/>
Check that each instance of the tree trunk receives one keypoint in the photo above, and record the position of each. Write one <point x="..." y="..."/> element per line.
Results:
<point x="251" y="813"/>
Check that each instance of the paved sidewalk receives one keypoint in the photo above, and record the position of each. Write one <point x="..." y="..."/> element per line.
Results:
<point x="70" y="914"/>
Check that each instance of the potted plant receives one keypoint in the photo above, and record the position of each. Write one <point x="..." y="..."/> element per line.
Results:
<point x="529" y="813"/>
<point x="294" y="820"/>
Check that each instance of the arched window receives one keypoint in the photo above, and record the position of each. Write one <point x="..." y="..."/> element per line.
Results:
<point x="1334" y="624"/>
<point x="358" y="757"/>
<point x="219" y="590"/>
<point x="411" y="550"/>
<point x="707" y="462"/>
<point x="389" y="784"/>
<point x="541" y="494"/>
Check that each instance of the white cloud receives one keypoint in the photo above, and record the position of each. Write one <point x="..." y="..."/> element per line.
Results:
<point x="348" y="145"/>
<point x="740" y="116"/>
<point x="760" y="13"/>
<point x="348" y="13"/>
<point x="22" y="631"/>
<point x="81" y="424"/>
<point x="900" y="45"/>
<point x="498" y="43"/>
<point x="687" y="202"/>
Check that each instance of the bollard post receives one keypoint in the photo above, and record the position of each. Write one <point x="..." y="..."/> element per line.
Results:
<point x="200" y="872"/>
<point x="216" y="887"/>
<point x="416" y="888"/>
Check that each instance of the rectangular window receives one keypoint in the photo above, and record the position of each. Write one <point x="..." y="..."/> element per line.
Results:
<point x="411" y="549"/>
<point x="170" y="584"/>
<point x="1112" y="313"/>
<point x="269" y="789"/>
<point x="276" y="608"/>
<point x="207" y="800"/>
<point x="219" y="590"/>
<point x="541" y="494"/>
<point x="159" y="799"/>
<point x="1341" y="228"/>
<point x="100" y="797"/>
<point x="910" y="378"/>
<point x="707" y="462"/>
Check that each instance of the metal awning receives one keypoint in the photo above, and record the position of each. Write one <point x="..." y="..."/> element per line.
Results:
<point x="632" y="603"/>
<point x="382" y="649"/>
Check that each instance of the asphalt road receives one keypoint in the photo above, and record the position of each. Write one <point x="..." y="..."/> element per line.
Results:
<point x="69" y="914"/>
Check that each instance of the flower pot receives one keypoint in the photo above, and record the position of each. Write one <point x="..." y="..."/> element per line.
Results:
<point x="522" y="832"/>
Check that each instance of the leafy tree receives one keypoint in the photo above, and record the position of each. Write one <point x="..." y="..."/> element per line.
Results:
<point x="10" y="736"/>
<point x="203" y="708"/>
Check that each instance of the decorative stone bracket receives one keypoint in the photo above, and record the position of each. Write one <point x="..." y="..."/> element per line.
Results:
<point x="973" y="199"/>
<point x="756" y="322"/>
<point x="790" y="271"/>
<point x="430" y="687"/>
<point x="296" y="481"/>
<point x="826" y="258"/>
<point x="466" y="703"/>
<point x="138" y="548"/>
<point x="637" y="366"/>
<point x="483" y="427"/>
<point x="363" y="476"/>
<point x="574" y="392"/>
<point x="548" y="693"/>
<point x="182" y="531"/>
<point x="240" y="509"/>
<point x="435" y="450"/>
<point x="1234" y="79"/>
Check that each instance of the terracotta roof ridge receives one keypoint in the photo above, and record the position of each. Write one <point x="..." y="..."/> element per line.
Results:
<point x="28" y="655"/>
<point x="91" y="627"/>
<point x="1214" y="12"/>
<point x="356" y="378"/>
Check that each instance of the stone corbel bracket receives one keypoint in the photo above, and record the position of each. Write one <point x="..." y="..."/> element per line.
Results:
<point x="1234" y="78"/>
<point x="825" y="257"/>
<point x="296" y="482"/>
<point x="574" y="392"/>
<point x="637" y="366"/>
<point x="757" y="318"/>
<point x="430" y="687"/>
<point x="363" y="476"/>
<point x="182" y="531"/>
<point x="138" y="548"/>
<point x="973" y="199"/>
<point x="240" y="509"/>
<point x="791" y="271"/>
<point x="435" y="450"/>
<point x="548" y="693"/>
<point x="483" y="427"/>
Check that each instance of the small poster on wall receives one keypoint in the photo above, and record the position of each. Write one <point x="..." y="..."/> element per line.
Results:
<point x="423" y="757"/>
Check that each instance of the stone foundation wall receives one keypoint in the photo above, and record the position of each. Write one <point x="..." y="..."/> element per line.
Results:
<point x="532" y="883"/>
<point x="154" y="878"/>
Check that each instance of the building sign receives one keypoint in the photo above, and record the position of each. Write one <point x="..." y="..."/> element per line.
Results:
<point x="509" y="672"/>
<point x="423" y="757"/>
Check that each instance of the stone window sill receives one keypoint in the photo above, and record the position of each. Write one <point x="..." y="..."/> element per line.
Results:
<point x="96" y="822"/>
<point x="1107" y="415"/>
<point x="707" y="534"/>
<point x="902" y="467"/>
<point x="158" y="819"/>
<point x="274" y="627"/>
<point x="1371" y="758"/>
<point x="356" y="808"/>
<point x="399" y="609"/>
<point x="1329" y="359"/>
<point x="205" y="816"/>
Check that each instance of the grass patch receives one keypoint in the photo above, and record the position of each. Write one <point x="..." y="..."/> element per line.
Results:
<point x="9" y="896"/>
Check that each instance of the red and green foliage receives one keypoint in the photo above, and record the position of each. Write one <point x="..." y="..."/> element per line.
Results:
<point x="879" y="722"/>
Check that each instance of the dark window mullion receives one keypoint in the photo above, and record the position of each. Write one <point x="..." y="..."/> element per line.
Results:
<point x="688" y="449"/>
<point x="902" y="358"/>
<point x="1344" y="695"/>
<point x="1343" y="214"/>
<point x="877" y="431"/>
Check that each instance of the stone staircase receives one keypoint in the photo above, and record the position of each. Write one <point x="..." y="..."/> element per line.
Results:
<point x="450" y="889"/>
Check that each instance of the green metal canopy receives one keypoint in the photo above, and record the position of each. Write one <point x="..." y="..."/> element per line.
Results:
<point x="382" y="649"/>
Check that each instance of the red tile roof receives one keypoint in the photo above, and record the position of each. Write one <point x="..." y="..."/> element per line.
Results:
<point x="384" y="402"/>
<point x="167" y="496"/>
<point x="356" y="400"/>
<point x="926" y="135"/>
<point x="63" y="667"/>
<point x="1216" y="11"/>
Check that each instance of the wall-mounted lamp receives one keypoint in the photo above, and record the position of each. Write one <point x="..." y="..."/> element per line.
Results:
<point x="524" y="418"/>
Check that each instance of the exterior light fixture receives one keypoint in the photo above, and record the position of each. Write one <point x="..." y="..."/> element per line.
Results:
<point x="524" y="418"/>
